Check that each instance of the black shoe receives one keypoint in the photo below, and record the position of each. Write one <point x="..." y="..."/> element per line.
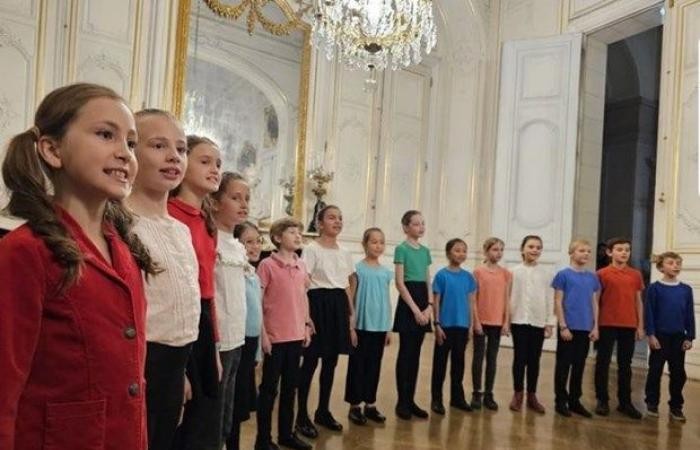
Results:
<point x="403" y="412"/>
<point x="437" y="407"/>
<point x="266" y="446"/>
<point x="355" y="415"/>
<point x="295" y="443"/>
<point x="602" y="408"/>
<point x="461" y="404"/>
<point x="562" y="410"/>
<point x="490" y="403"/>
<point x="373" y="414"/>
<point x="630" y="411"/>
<point x="677" y="415"/>
<point x="579" y="409"/>
<point x="476" y="401"/>
<point x="326" y="420"/>
<point x="652" y="410"/>
<point x="305" y="427"/>
<point x="418" y="411"/>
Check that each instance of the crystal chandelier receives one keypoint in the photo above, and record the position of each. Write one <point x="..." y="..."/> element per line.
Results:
<point x="375" y="34"/>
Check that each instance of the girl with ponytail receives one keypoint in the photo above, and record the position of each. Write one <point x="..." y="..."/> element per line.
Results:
<point x="72" y="338"/>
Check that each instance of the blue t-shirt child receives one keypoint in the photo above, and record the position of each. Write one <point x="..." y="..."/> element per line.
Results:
<point x="373" y="306"/>
<point x="454" y="288"/>
<point x="578" y="287"/>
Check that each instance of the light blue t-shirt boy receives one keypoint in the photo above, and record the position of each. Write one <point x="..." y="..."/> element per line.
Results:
<point x="578" y="287"/>
<point x="454" y="288"/>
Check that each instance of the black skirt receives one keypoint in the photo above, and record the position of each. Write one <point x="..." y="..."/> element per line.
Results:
<point x="328" y="309"/>
<point x="404" y="320"/>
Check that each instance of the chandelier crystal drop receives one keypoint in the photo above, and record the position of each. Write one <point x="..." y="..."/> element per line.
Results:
<point x="375" y="34"/>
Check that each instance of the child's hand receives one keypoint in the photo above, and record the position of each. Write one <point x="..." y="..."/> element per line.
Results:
<point x="387" y="339"/>
<point x="548" y="332"/>
<point x="566" y="335"/>
<point x="687" y="345"/>
<point x="219" y="367"/>
<point x="353" y="338"/>
<point x="266" y="344"/>
<point x="639" y="334"/>
<point x="307" y="337"/>
<point x="505" y="329"/>
<point x="186" y="397"/>
<point x="654" y="343"/>
<point x="477" y="329"/>
<point x="440" y="335"/>
<point x="420" y="318"/>
<point x="593" y="335"/>
<point x="426" y="314"/>
<point x="311" y="326"/>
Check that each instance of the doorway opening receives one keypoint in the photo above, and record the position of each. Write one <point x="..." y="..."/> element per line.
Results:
<point x="617" y="134"/>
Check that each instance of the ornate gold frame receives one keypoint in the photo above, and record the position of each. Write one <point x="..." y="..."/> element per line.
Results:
<point x="255" y="15"/>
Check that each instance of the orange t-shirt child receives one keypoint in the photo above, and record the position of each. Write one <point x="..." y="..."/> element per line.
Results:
<point x="618" y="299"/>
<point x="617" y="322"/>
<point x="492" y="294"/>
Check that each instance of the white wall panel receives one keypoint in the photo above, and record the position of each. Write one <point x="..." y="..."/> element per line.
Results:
<point x="536" y="154"/>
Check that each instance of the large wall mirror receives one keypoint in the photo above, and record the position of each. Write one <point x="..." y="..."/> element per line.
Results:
<point x="242" y="79"/>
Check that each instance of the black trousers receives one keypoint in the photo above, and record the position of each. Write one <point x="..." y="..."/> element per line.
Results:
<point x="230" y="361"/>
<point x="485" y="344"/>
<point x="527" y="350"/>
<point x="624" y="338"/>
<point x="364" y="367"/>
<point x="407" y="365"/>
<point x="570" y="360"/>
<point x="671" y="352"/>
<point x="308" y="368"/>
<point x="165" y="384"/>
<point x="454" y="345"/>
<point x="201" y="423"/>
<point x="245" y="391"/>
<point x="281" y="364"/>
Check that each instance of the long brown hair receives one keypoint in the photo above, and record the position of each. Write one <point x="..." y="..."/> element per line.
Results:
<point x="27" y="177"/>
<point x="192" y="141"/>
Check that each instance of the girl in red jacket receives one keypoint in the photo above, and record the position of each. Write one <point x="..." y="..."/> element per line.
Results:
<point x="72" y="341"/>
<point x="201" y="424"/>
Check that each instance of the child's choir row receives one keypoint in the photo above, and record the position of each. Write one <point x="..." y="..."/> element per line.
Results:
<point x="95" y="356"/>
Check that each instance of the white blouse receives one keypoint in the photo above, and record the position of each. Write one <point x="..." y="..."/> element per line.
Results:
<point x="532" y="296"/>
<point x="173" y="296"/>
<point x="328" y="268"/>
<point x="231" y="261"/>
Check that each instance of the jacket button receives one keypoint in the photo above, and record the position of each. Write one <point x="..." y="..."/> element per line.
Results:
<point x="134" y="389"/>
<point x="129" y="332"/>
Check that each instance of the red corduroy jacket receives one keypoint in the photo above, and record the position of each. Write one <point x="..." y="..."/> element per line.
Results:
<point x="71" y="364"/>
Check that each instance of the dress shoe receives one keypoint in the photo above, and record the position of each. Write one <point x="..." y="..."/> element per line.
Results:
<point x="305" y="427"/>
<point x="373" y="414"/>
<point x="266" y="446"/>
<point x="403" y="412"/>
<point x="516" y="404"/>
<point x="562" y="409"/>
<point x="476" y="401"/>
<point x="630" y="411"/>
<point x="461" y="404"/>
<point x="295" y="443"/>
<point x="355" y="415"/>
<point x="534" y="404"/>
<point x="578" y="408"/>
<point x="489" y="402"/>
<point x="437" y="407"/>
<point x="418" y="411"/>
<point x="326" y="420"/>
<point x="602" y="408"/>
